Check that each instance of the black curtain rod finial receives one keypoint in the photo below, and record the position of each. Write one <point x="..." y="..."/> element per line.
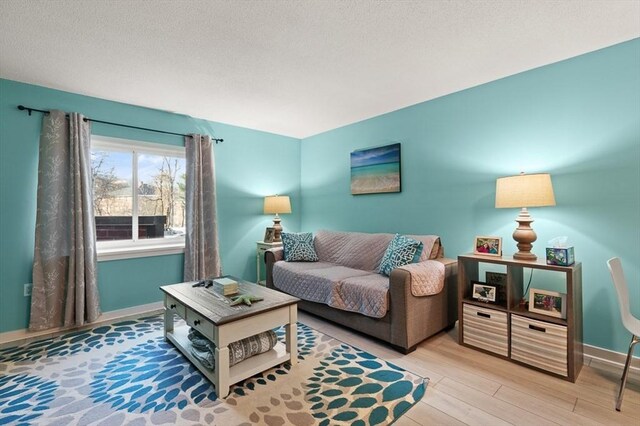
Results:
<point x="22" y="108"/>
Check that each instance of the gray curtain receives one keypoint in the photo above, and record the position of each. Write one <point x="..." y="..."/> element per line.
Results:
<point x="201" y="252"/>
<point x="65" y="290"/>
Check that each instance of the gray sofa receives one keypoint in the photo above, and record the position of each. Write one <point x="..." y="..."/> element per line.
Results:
<point x="416" y="301"/>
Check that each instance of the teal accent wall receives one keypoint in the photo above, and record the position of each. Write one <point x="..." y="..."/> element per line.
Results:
<point x="243" y="171"/>
<point x="578" y="119"/>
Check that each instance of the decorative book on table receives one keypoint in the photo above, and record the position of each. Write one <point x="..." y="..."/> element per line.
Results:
<point x="226" y="285"/>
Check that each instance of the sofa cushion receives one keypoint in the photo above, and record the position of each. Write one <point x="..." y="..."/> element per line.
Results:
<point x="401" y="251"/>
<point x="300" y="267"/>
<point x="295" y="279"/>
<point x="298" y="247"/>
<point x="366" y="294"/>
<point x="337" y="286"/>
<point x="352" y="249"/>
<point x="311" y="281"/>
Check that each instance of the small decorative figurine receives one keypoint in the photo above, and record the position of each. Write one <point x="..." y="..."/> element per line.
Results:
<point x="246" y="299"/>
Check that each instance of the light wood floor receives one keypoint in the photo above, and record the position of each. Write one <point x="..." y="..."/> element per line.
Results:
<point x="470" y="387"/>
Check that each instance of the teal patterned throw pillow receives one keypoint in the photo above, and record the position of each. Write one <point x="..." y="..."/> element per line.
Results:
<point x="298" y="247"/>
<point x="400" y="251"/>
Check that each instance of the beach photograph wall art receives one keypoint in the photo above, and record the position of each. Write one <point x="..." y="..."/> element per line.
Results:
<point x="376" y="170"/>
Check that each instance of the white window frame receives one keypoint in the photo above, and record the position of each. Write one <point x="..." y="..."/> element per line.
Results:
<point x="128" y="249"/>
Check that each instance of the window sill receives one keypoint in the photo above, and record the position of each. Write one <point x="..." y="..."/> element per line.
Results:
<point x="118" y="253"/>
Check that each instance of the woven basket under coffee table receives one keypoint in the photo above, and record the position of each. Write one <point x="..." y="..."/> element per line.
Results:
<point x="210" y="313"/>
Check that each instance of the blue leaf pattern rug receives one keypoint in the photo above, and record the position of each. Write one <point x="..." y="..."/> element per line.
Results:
<point x="125" y="373"/>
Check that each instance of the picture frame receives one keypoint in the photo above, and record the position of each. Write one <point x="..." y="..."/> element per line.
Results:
<point x="487" y="246"/>
<point x="376" y="170"/>
<point x="499" y="280"/>
<point x="550" y="303"/>
<point x="269" y="235"/>
<point x="483" y="292"/>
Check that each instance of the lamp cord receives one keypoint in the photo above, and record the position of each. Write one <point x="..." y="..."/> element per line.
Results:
<point x="528" y="285"/>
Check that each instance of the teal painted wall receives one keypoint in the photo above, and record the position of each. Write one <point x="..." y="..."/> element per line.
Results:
<point x="243" y="178"/>
<point x="578" y="120"/>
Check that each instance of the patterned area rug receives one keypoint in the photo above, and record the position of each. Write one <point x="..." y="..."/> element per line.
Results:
<point x="125" y="373"/>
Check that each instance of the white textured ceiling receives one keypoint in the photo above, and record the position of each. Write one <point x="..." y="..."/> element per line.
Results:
<point x="295" y="68"/>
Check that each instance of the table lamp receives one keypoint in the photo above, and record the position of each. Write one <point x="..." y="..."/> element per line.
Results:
<point x="524" y="191"/>
<point x="276" y="204"/>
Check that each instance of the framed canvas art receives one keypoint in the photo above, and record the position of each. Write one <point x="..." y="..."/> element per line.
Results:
<point x="376" y="170"/>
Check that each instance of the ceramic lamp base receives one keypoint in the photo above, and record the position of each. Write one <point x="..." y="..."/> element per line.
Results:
<point x="277" y="230"/>
<point x="524" y="236"/>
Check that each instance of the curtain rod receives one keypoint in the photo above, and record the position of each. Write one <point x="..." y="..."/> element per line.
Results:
<point x="30" y="110"/>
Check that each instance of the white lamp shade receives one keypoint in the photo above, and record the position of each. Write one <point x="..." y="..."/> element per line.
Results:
<point x="277" y="204"/>
<point x="524" y="191"/>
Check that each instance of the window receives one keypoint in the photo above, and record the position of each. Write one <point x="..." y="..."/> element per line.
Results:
<point x="138" y="198"/>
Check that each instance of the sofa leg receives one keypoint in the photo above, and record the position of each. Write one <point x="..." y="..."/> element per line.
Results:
<point x="403" y="350"/>
<point x="449" y="327"/>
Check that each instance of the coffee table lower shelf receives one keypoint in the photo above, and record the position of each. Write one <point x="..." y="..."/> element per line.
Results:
<point x="237" y="373"/>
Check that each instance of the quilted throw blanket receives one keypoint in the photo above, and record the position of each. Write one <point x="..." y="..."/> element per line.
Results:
<point x="351" y="289"/>
<point x="364" y="251"/>
<point x="346" y="278"/>
<point x="427" y="278"/>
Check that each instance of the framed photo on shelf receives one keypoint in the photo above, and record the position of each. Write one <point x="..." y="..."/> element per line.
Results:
<point x="549" y="303"/>
<point x="483" y="292"/>
<point x="499" y="280"/>
<point x="269" y="235"/>
<point x="488" y="246"/>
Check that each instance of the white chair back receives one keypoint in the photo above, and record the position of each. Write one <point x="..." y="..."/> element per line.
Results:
<point x="615" y="267"/>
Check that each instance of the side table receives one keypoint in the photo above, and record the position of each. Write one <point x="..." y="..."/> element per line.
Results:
<point x="261" y="247"/>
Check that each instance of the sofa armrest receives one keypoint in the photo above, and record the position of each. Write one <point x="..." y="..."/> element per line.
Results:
<point x="412" y="317"/>
<point x="427" y="277"/>
<point x="450" y="271"/>
<point x="271" y="256"/>
<point x="277" y="253"/>
<point x="401" y="276"/>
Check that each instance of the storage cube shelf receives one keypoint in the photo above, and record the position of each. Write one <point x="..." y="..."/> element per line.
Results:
<point x="508" y="330"/>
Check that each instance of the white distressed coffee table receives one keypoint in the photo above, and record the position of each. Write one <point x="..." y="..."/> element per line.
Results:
<point x="209" y="312"/>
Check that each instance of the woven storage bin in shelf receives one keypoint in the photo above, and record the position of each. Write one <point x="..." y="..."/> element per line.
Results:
<point x="486" y="329"/>
<point x="540" y="344"/>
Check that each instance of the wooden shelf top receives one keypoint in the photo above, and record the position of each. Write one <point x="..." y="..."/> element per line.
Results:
<point x="509" y="260"/>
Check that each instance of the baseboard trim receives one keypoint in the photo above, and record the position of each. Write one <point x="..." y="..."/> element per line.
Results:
<point x="20" y="337"/>
<point x="607" y="356"/>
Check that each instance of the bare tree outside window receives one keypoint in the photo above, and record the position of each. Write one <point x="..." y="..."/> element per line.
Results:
<point x="162" y="194"/>
<point x="107" y="186"/>
<point x="159" y="194"/>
